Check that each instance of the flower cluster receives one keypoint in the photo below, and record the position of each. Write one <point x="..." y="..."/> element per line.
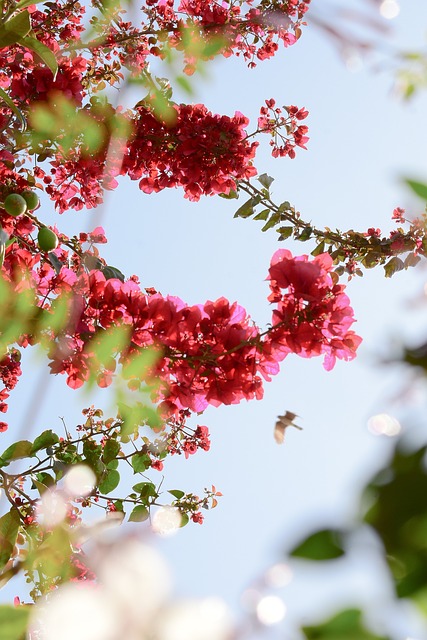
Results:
<point x="285" y="130"/>
<point x="313" y="315"/>
<point x="254" y="32"/>
<point x="203" y="152"/>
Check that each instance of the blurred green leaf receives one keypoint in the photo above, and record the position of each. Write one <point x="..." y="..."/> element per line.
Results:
<point x="325" y="544"/>
<point x="345" y="625"/>
<point x="139" y="364"/>
<point x="9" y="526"/>
<point x="398" y="513"/>
<point x="419" y="188"/>
<point x="13" y="622"/>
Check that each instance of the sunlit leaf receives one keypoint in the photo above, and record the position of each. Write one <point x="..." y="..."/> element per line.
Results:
<point x="43" y="52"/>
<point x="44" y="440"/>
<point x="18" y="26"/>
<point x="20" y="449"/>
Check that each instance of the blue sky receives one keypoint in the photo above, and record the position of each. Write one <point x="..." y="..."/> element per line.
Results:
<point x="363" y="139"/>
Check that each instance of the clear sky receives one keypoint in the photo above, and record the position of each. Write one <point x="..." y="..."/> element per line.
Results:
<point x="363" y="139"/>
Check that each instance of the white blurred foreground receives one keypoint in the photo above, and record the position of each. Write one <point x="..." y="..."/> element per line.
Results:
<point x="128" y="601"/>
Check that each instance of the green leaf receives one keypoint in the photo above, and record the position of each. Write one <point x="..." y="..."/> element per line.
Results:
<point x="5" y="98"/>
<point x="110" y="481"/>
<point x="177" y="493"/>
<point x="325" y="544"/>
<point x="305" y="234"/>
<point x="274" y="219"/>
<point x="411" y="260"/>
<point x="185" y="519"/>
<point x="112" y="272"/>
<point x="139" y="363"/>
<point x="110" y="450"/>
<point x="419" y="188"/>
<point x="17" y="27"/>
<point x="43" y="52"/>
<point x="265" y="180"/>
<point x="13" y="622"/>
<point x="393" y="266"/>
<point x="139" y="514"/>
<point x="262" y="215"/>
<point x="44" y="440"/>
<point x="106" y="343"/>
<point x="345" y="625"/>
<point x="140" y="462"/>
<point x="319" y="249"/>
<point x="232" y="195"/>
<point x="185" y="84"/>
<point x="246" y="210"/>
<point x="398" y="512"/>
<point x="9" y="526"/>
<point x="285" y="232"/>
<point x="145" y="489"/>
<point x="20" y="449"/>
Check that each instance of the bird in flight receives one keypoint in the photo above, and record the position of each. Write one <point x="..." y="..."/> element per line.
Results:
<point x="282" y="423"/>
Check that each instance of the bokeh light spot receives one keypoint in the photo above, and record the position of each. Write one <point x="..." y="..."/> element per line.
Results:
<point x="51" y="509"/>
<point x="75" y="611"/>
<point x="389" y="9"/>
<point x="166" y="521"/>
<point x="270" y="610"/>
<point x="279" y="575"/>
<point x="207" y="619"/>
<point x="79" y="481"/>
<point x="383" y="424"/>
